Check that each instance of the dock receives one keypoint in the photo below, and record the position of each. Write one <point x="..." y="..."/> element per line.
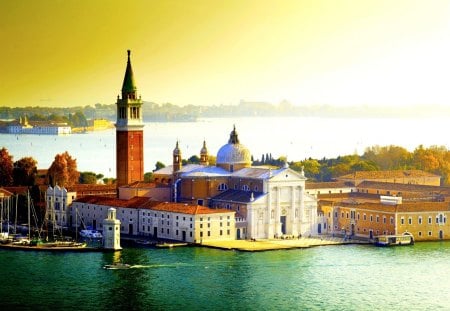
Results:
<point x="278" y="244"/>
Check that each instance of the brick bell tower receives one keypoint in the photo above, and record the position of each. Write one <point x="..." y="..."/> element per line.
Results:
<point x="129" y="132"/>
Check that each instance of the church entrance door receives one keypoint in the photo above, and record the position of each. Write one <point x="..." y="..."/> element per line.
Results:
<point x="283" y="224"/>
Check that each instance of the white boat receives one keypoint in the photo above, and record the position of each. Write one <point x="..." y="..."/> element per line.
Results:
<point x="392" y="240"/>
<point x="91" y="234"/>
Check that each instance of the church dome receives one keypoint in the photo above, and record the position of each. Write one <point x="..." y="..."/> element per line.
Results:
<point x="234" y="152"/>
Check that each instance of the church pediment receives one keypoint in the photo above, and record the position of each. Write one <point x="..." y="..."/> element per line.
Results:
<point x="288" y="175"/>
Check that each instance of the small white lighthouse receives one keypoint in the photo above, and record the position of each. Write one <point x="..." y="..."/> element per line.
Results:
<point x="111" y="231"/>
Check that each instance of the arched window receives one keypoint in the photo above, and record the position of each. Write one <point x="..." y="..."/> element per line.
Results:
<point x="222" y="187"/>
<point x="245" y="188"/>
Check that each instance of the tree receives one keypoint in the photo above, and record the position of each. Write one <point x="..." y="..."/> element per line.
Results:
<point x="194" y="159"/>
<point x="25" y="171"/>
<point x="63" y="171"/>
<point x="6" y="167"/>
<point x="109" y="180"/>
<point x="212" y="160"/>
<point x="148" y="177"/>
<point x="88" y="178"/>
<point x="159" y="165"/>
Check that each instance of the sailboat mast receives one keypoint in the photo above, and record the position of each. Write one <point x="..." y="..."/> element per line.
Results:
<point x="15" y="215"/>
<point x="29" y="216"/>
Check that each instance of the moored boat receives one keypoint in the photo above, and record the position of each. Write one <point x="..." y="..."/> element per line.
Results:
<point x="91" y="234"/>
<point x="394" y="239"/>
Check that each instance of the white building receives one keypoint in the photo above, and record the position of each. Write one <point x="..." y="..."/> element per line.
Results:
<point x="58" y="201"/>
<point x="141" y="216"/>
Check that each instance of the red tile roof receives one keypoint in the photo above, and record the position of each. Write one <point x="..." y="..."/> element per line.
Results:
<point x="148" y="203"/>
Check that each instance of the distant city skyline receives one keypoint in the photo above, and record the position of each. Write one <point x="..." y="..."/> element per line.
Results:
<point x="343" y="53"/>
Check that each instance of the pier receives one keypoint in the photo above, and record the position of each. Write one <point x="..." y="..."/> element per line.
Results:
<point x="277" y="244"/>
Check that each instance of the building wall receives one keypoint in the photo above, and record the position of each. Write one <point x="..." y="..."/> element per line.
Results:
<point x="425" y="226"/>
<point x="190" y="190"/>
<point x="57" y="204"/>
<point x="425" y="223"/>
<point x="157" y="193"/>
<point x="129" y="157"/>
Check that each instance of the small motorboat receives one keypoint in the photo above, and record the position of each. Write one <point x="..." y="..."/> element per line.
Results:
<point x="91" y="234"/>
<point x="117" y="266"/>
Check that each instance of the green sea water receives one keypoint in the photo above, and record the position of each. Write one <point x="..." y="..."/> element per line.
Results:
<point x="349" y="277"/>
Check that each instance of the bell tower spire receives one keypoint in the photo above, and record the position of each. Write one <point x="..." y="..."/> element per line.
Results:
<point x="129" y="132"/>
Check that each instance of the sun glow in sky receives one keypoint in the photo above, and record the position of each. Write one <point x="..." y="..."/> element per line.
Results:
<point x="72" y="52"/>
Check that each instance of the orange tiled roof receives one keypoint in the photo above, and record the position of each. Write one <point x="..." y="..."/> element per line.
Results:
<point x="140" y="184"/>
<point x="326" y="185"/>
<point x="188" y="209"/>
<point x="423" y="207"/>
<point x="5" y="192"/>
<point x="388" y="174"/>
<point x="403" y="187"/>
<point x="400" y="208"/>
<point x="148" y="203"/>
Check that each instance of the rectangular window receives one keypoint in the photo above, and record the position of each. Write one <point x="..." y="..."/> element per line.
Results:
<point x="228" y="232"/>
<point x="201" y="226"/>
<point x="410" y="221"/>
<point x="209" y="233"/>
<point x="429" y="220"/>
<point x="220" y="232"/>
<point x="429" y="233"/>
<point x="364" y="217"/>
<point x="402" y="221"/>
<point x="201" y="234"/>
<point x="420" y="220"/>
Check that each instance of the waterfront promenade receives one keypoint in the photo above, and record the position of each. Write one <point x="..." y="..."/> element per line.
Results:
<point x="277" y="244"/>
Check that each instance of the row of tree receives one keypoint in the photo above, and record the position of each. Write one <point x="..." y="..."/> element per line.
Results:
<point x="63" y="171"/>
<point x="435" y="160"/>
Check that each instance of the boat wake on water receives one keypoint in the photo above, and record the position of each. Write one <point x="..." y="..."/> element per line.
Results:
<point x="127" y="266"/>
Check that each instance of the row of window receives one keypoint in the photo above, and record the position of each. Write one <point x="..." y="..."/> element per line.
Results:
<point x="440" y="219"/>
<point x="209" y="233"/>
<point x="223" y="187"/>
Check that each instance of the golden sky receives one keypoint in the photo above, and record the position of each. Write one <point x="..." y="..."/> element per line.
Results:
<point x="210" y="52"/>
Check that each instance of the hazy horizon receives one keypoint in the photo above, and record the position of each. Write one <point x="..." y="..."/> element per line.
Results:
<point x="344" y="53"/>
